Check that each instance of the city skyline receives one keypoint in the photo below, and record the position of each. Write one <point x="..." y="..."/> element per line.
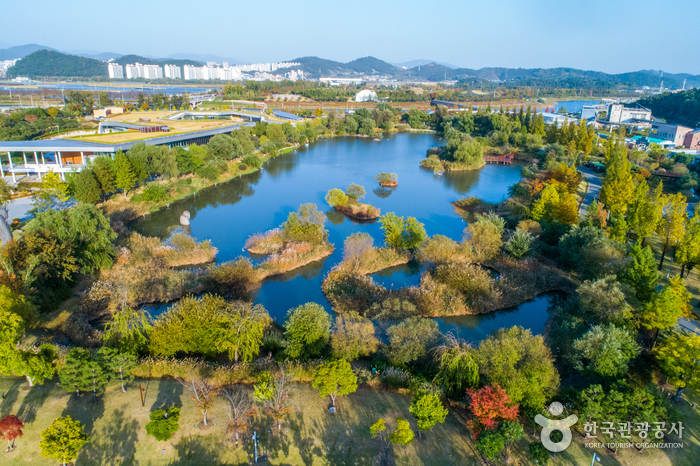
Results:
<point x="612" y="38"/>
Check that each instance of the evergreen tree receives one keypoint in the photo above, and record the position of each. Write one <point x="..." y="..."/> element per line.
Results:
<point x="163" y="423"/>
<point x="618" y="187"/>
<point x="118" y="364"/>
<point x="86" y="188"/>
<point x="103" y="168"/>
<point x="125" y="178"/>
<point x="641" y="273"/>
<point x="74" y="375"/>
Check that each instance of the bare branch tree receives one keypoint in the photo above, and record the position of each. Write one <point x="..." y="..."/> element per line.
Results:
<point x="202" y="390"/>
<point x="239" y="408"/>
<point x="273" y="389"/>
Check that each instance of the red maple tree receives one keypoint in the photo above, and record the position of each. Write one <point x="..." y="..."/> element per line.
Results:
<point x="491" y="404"/>
<point x="11" y="428"/>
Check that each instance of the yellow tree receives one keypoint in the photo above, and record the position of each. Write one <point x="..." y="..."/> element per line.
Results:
<point x="671" y="228"/>
<point x="546" y="204"/>
<point x="51" y="191"/>
<point x="688" y="251"/>
<point x="567" y="210"/>
<point x="618" y="187"/>
<point x="645" y="212"/>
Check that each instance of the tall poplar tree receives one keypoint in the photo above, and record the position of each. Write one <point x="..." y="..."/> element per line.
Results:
<point x="671" y="228"/>
<point x="618" y="187"/>
<point x="125" y="177"/>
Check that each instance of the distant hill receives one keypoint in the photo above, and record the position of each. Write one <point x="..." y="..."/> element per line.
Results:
<point x="21" y="51"/>
<point x="202" y="57"/>
<point x="131" y="59"/>
<point x="681" y="107"/>
<point x="423" y="62"/>
<point x="371" y="65"/>
<point x="52" y="63"/>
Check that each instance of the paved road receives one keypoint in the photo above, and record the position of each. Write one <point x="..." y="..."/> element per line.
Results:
<point x="594" y="184"/>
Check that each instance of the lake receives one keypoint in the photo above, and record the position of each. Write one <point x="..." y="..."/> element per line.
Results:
<point x="230" y="212"/>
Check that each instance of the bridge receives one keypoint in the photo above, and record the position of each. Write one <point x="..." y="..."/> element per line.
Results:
<point x="504" y="159"/>
<point x="198" y="99"/>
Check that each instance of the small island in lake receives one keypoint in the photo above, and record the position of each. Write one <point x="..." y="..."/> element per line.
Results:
<point x="348" y="203"/>
<point x="387" y="180"/>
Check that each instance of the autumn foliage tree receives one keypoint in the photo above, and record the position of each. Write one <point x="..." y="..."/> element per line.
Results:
<point x="492" y="404"/>
<point x="10" y="428"/>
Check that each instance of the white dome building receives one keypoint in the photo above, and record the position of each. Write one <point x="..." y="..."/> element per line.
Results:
<point x="366" y="95"/>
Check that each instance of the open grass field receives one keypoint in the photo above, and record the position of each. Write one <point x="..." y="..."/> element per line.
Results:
<point x="309" y="436"/>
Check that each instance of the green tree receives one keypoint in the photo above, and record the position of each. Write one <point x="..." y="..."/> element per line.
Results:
<point x="85" y="228"/>
<point x="538" y="453"/>
<point x="408" y="340"/>
<point x="590" y="252"/>
<point x="606" y="350"/>
<point x="353" y="337"/>
<point x="678" y="358"/>
<point x="11" y="330"/>
<point x="403" y="435"/>
<point x="645" y="212"/>
<point x="512" y="431"/>
<point x="273" y="390"/>
<point x="103" y="168"/>
<point x="335" y="379"/>
<point x="547" y="203"/>
<point x="355" y="192"/>
<point x="37" y="365"/>
<point x="86" y="188"/>
<point x="51" y="191"/>
<point x="618" y="187"/>
<point x="688" y="251"/>
<point x="63" y="439"/>
<point x="641" y="273"/>
<point x="666" y="307"/>
<point x="128" y="330"/>
<point x="336" y="197"/>
<point x="75" y="374"/>
<point x="521" y="363"/>
<point x="490" y="443"/>
<point x="307" y="329"/>
<point x="210" y="325"/>
<point x="428" y="411"/>
<point x="520" y="244"/>
<point x="457" y="367"/>
<point x="163" y="423"/>
<point x="221" y="147"/>
<point x="671" y="228"/>
<point x="118" y="364"/>
<point x="125" y="179"/>
<point x="402" y="233"/>
<point x="16" y="303"/>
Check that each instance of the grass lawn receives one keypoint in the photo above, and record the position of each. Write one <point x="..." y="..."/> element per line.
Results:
<point x="116" y="424"/>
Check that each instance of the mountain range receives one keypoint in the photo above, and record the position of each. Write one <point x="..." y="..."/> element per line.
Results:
<point x="51" y="62"/>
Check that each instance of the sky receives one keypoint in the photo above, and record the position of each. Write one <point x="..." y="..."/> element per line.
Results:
<point x="613" y="36"/>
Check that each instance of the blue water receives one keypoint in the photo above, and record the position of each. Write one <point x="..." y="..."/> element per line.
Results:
<point x="230" y="212"/>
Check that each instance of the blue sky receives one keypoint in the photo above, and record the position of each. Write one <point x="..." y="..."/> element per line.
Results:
<point x="605" y="35"/>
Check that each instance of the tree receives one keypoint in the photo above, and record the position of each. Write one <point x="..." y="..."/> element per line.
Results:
<point x="608" y="350"/>
<point x="354" y="247"/>
<point x="335" y="379"/>
<point x="666" y="307"/>
<point x="355" y="192"/>
<point x="353" y="337"/>
<point x="125" y="179"/>
<point x="520" y="244"/>
<point x="521" y="363"/>
<point x="85" y="228"/>
<point x="103" y="169"/>
<point x="491" y="404"/>
<point x="408" y="340"/>
<point x="36" y="364"/>
<point x="566" y="211"/>
<point x="688" y="251"/>
<point x="336" y="197"/>
<point x="618" y="187"/>
<point x="202" y="391"/>
<point x="52" y="191"/>
<point x="128" y="330"/>
<point x="546" y="205"/>
<point x="511" y="431"/>
<point x="490" y="443"/>
<point x="458" y="369"/>
<point x="163" y="423"/>
<point x="641" y="273"/>
<point x="590" y="252"/>
<point x="645" y="213"/>
<point x="238" y="407"/>
<point x="11" y="428"/>
<point x="538" y="453"/>
<point x="86" y="188"/>
<point x="484" y="236"/>
<point x="221" y="147"/>
<point x="74" y="374"/>
<point x="307" y="329"/>
<point x="5" y="198"/>
<point x="305" y="225"/>
<point x="63" y="440"/>
<point x="378" y="429"/>
<point x="402" y="233"/>
<point x="678" y="358"/>
<point x="210" y="325"/>
<point x="428" y="411"/>
<point x="671" y="228"/>
<point x="273" y="389"/>
<point x="403" y="435"/>
<point x="121" y="364"/>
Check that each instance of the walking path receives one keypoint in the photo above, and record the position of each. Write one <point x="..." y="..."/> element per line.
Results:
<point x="594" y="185"/>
